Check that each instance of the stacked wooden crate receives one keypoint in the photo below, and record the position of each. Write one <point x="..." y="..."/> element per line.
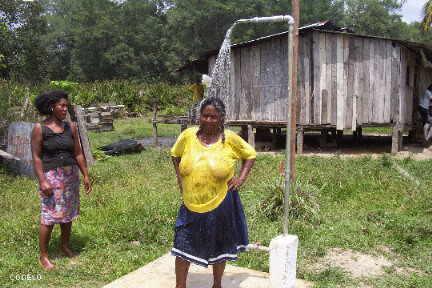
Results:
<point x="101" y="118"/>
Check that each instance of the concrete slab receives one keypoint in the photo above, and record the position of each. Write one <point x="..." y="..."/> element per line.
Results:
<point x="160" y="274"/>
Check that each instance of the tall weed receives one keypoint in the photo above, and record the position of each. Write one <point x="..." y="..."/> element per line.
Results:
<point x="303" y="201"/>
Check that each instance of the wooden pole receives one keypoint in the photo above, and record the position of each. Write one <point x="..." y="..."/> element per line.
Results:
<point x="154" y="121"/>
<point x="294" y="91"/>
<point x="291" y="117"/>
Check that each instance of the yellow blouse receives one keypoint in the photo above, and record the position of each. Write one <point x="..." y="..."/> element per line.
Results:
<point x="206" y="170"/>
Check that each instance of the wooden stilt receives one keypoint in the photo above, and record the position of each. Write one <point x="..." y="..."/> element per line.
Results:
<point x="251" y="136"/>
<point x="300" y="139"/>
<point x="154" y="121"/>
<point x="396" y="139"/>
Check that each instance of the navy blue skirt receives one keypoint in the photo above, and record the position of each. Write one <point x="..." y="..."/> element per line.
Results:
<point x="212" y="237"/>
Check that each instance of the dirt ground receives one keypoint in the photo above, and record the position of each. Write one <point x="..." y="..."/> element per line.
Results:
<point x="372" y="145"/>
<point x="363" y="266"/>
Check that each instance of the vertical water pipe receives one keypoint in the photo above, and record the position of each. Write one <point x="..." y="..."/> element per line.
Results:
<point x="288" y="150"/>
<point x="283" y="248"/>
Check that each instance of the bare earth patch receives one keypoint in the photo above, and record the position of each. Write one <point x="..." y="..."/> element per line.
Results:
<point x="361" y="265"/>
<point x="357" y="264"/>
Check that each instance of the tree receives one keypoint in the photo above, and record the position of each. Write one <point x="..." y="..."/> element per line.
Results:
<point x="374" y="17"/>
<point x="427" y="16"/>
<point x="23" y="52"/>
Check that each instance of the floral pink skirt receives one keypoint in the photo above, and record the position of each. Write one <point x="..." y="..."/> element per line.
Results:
<point x="64" y="204"/>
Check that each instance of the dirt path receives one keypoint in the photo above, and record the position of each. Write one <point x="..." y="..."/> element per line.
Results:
<point x="371" y="145"/>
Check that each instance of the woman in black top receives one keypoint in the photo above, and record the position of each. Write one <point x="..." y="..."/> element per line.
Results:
<point x="57" y="155"/>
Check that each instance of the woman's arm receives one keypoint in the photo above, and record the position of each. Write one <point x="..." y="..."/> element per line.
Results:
<point x="80" y="159"/>
<point x="176" y="163"/>
<point x="236" y="182"/>
<point x="36" y="149"/>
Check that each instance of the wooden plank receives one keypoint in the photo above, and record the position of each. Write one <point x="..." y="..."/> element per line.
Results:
<point x="387" y="77"/>
<point x="256" y="91"/>
<point x="346" y="56"/>
<point x="372" y="80"/>
<point x="323" y="78"/>
<point x="380" y="86"/>
<point x="358" y="82"/>
<point x="349" y="48"/>
<point x="246" y="80"/>
<point x="402" y="87"/>
<point x="395" y="82"/>
<point x="277" y="81"/>
<point x="328" y="52"/>
<point x="283" y="78"/>
<point x="301" y="116"/>
<point x="334" y="84"/>
<point x="263" y="78"/>
<point x="308" y="77"/>
<point x="84" y="140"/>
<point x="412" y="88"/>
<point x="230" y="105"/>
<point x="316" y="116"/>
<point x="235" y="115"/>
<point x="19" y="145"/>
<point x="365" y="87"/>
<point x="324" y="112"/>
<point x="341" y="84"/>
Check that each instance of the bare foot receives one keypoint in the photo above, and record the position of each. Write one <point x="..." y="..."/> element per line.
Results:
<point x="45" y="263"/>
<point x="66" y="251"/>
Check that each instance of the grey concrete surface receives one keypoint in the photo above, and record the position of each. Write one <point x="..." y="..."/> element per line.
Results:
<point x="160" y="274"/>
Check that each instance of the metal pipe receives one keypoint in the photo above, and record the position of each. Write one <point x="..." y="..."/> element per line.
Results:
<point x="279" y="18"/>
<point x="257" y="247"/>
<point x="288" y="151"/>
<point x="290" y="102"/>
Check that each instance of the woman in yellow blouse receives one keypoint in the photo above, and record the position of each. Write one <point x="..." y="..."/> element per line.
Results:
<point x="211" y="227"/>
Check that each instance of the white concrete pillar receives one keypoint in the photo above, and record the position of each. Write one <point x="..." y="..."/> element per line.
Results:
<point x="283" y="261"/>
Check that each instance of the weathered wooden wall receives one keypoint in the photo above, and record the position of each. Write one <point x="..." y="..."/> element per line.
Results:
<point x="344" y="81"/>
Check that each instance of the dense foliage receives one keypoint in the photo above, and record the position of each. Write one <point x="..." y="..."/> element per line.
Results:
<point x="146" y="40"/>
<point x="16" y="100"/>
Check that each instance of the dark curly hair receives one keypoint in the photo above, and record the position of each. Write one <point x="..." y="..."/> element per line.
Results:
<point x="220" y="107"/>
<point x="44" y="101"/>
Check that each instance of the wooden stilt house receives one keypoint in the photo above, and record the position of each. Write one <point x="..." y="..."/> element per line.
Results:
<point x="345" y="81"/>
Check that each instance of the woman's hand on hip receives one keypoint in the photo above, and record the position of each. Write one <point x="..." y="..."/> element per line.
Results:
<point x="235" y="183"/>
<point x="87" y="185"/>
<point x="46" y="188"/>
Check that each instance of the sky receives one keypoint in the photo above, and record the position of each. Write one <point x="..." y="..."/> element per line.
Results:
<point x="412" y="10"/>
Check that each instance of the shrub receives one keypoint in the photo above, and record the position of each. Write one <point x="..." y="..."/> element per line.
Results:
<point x="303" y="202"/>
<point x="171" y="99"/>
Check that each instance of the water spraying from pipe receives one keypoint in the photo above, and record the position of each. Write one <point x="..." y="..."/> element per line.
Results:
<point x="279" y="18"/>
<point x="220" y="75"/>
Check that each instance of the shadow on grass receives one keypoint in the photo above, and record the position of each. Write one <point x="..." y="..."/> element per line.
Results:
<point x="77" y="244"/>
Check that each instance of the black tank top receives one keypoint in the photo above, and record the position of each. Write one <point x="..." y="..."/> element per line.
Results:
<point x="57" y="148"/>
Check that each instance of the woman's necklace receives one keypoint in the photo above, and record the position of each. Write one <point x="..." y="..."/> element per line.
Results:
<point x="209" y="139"/>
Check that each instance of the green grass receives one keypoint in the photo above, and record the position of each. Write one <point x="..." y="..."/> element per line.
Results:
<point x="363" y="203"/>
